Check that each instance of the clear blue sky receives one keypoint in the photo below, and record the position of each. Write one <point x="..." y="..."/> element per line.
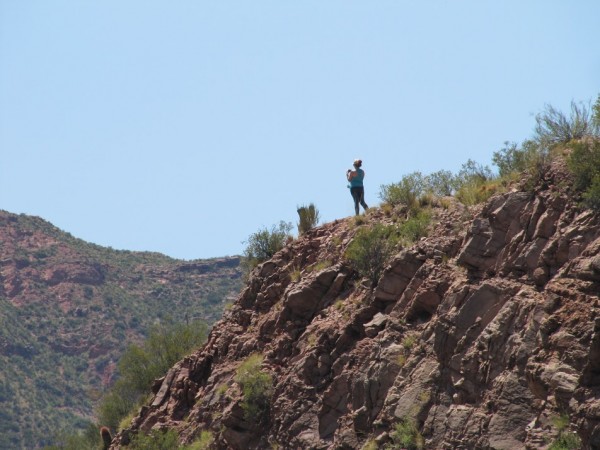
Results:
<point x="184" y="126"/>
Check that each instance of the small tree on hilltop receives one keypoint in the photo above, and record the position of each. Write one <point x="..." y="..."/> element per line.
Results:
<point x="514" y="159"/>
<point x="406" y="192"/>
<point x="441" y="183"/>
<point x="263" y="244"/>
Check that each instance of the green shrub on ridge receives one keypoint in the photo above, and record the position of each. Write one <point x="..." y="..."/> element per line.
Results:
<point x="406" y="435"/>
<point x="371" y="249"/>
<point x="256" y="386"/>
<point x="264" y="243"/>
<point x="554" y="127"/>
<point x="141" y="365"/>
<point x="406" y="192"/>
<point x="584" y="163"/>
<point x="414" y="228"/>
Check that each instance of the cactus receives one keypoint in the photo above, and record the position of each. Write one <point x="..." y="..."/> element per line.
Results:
<point x="106" y="437"/>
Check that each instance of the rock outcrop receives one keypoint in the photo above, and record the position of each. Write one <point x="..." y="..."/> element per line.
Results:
<point x="484" y="335"/>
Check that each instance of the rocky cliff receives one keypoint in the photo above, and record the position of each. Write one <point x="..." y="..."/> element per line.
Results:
<point x="483" y="335"/>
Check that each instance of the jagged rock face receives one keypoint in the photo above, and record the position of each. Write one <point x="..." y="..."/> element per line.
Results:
<point x="483" y="333"/>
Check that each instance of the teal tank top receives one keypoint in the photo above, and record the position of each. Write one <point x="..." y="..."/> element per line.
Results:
<point x="357" y="181"/>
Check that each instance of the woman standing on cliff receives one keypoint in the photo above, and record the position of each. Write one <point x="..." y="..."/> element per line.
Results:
<point x="355" y="177"/>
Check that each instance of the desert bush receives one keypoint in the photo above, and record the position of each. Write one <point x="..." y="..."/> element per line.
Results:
<point x="155" y="440"/>
<point x="308" y="218"/>
<point x="538" y="165"/>
<point x="473" y="193"/>
<point x="511" y="158"/>
<point x="554" y="127"/>
<point x="406" y="435"/>
<point x="473" y="172"/>
<point x="414" y="228"/>
<point x="561" y="422"/>
<point x="141" y="365"/>
<point x="591" y="197"/>
<point x="117" y="405"/>
<point x="408" y="342"/>
<point x="584" y="164"/>
<point x="441" y="183"/>
<point x="475" y="183"/>
<point x="264" y="243"/>
<point x="371" y="249"/>
<point x="256" y="387"/>
<point x="204" y="442"/>
<point x="406" y="192"/>
<point x="88" y="439"/>
<point x="371" y="444"/>
<point x="320" y="265"/>
<point x="566" y="440"/>
<point x="359" y="220"/>
<point x="295" y="274"/>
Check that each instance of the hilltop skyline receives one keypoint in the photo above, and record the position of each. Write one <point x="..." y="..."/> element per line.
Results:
<point x="182" y="129"/>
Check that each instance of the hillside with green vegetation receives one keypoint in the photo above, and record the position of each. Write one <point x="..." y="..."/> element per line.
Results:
<point x="69" y="310"/>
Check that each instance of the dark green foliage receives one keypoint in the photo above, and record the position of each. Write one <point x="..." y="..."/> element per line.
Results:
<point x="156" y="440"/>
<point x="584" y="163"/>
<point x="566" y="440"/>
<point x="512" y="159"/>
<point x="308" y="218"/>
<point x="89" y="439"/>
<point x="141" y="365"/>
<point x="263" y="244"/>
<point x="591" y="197"/>
<point x="406" y="192"/>
<point x="406" y="435"/>
<point x="414" y="228"/>
<point x="371" y="249"/>
<point x="441" y="183"/>
<point x="168" y="440"/>
<point x="553" y="131"/>
<point x="256" y="386"/>
<point x="473" y="172"/>
<point x="473" y="183"/>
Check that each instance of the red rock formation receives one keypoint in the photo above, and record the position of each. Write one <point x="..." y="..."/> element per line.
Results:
<point x="481" y="334"/>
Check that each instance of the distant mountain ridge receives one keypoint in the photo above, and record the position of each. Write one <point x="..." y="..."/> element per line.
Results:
<point x="69" y="308"/>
